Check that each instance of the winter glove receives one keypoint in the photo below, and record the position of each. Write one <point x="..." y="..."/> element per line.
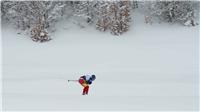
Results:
<point x="89" y="82"/>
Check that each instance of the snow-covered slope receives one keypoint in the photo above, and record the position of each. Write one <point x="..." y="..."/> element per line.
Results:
<point x="151" y="67"/>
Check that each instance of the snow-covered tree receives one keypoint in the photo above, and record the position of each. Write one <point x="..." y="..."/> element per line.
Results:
<point x="113" y="15"/>
<point x="32" y="15"/>
<point x="134" y="4"/>
<point x="184" y="12"/>
<point x="15" y="12"/>
<point x="121" y="17"/>
<point x="83" y="9"/>
<point x="5" y="6"/>
<point x="103" y="15"/>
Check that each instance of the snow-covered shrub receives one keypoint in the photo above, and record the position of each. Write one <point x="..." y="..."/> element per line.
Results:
<point x="183" y="12"/>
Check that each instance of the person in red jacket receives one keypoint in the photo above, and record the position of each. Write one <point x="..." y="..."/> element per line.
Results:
<point x="85" y="81"/>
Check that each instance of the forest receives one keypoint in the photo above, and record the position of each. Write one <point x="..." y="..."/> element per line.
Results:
<point x="38" y="18"/>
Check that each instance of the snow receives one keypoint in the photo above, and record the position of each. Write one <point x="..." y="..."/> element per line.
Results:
<point x="151" y="67"/>
<point x="187" y="23"/>
<point x="42" y="34"/>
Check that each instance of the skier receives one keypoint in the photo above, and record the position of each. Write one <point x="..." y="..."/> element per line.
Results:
<point x="85" y="81"/>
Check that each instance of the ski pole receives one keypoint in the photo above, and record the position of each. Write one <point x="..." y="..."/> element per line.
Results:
<point x="73" y="80"/>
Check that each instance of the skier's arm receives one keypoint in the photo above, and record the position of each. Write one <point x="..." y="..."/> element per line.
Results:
<point x="89" y="82"/>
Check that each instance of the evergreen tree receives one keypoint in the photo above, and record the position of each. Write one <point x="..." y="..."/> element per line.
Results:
<point x="113" y="15"/>
<point x="121" y="17"/>
<point x="36" y="16"/>
<point x="103" y="15"/>
<point x="184" y="12"/>
<point x="84" y="10"/>
<point x="134" y="4"/>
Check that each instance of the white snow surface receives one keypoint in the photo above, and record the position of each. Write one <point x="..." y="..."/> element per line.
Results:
<point x="151" y="67"/>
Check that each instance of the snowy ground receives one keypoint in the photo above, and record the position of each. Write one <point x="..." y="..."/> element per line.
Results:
<point x="151" y="67"/>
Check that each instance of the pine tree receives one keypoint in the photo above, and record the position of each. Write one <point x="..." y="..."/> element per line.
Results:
<point x="134" y="4"/>
<point x="103" y="15"/>
<point x="121" y="17"/>
<point x="113" y="15"/>
<point x="15" y="12"/>
<point x="183" y="12"/>
<point x="36" y="16"/>
<point x="84" y="10"/>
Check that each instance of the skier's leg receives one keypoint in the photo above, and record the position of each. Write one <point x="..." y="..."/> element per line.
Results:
<point x="87" y="89"/>
<point x="84" y="90"/>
